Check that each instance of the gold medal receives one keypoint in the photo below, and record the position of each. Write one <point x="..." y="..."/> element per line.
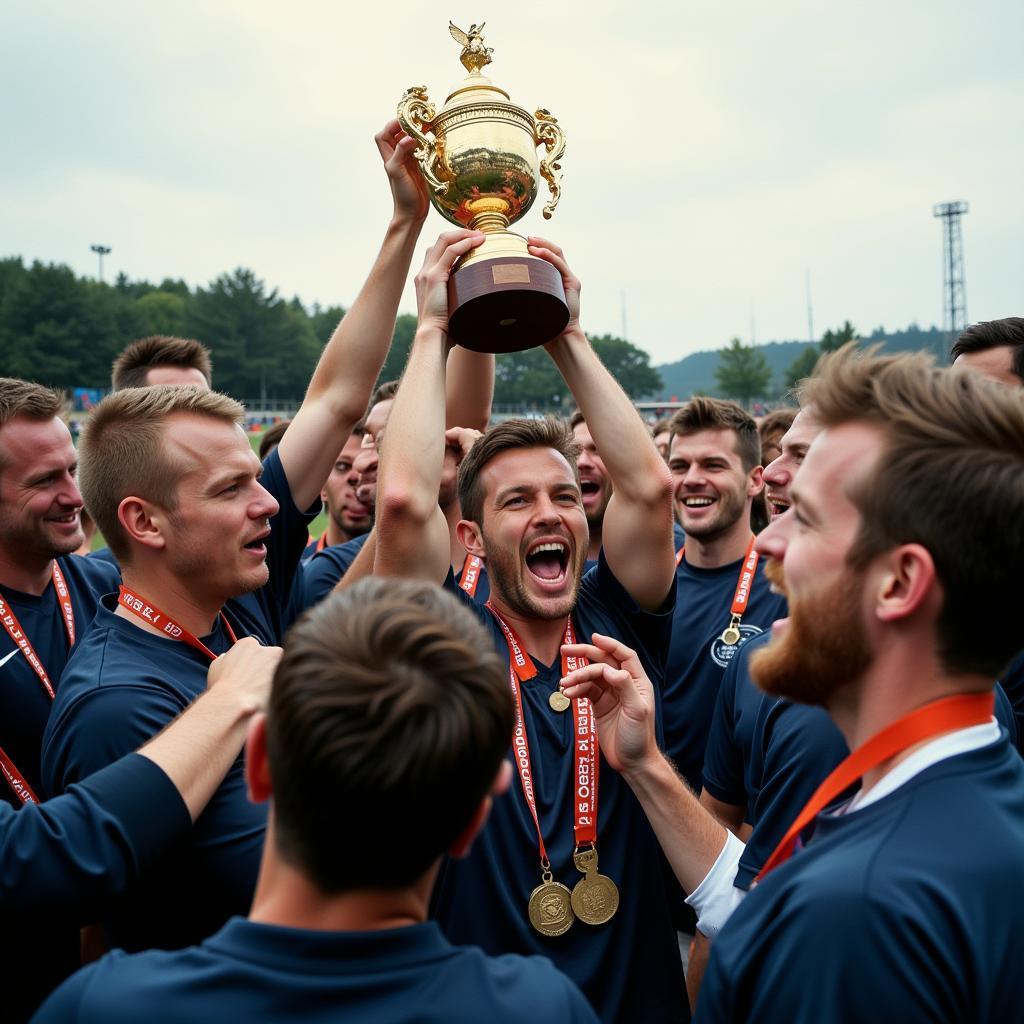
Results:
<point x="595" y="897"/>
<point x="550" y="907"/>
<point x="731" y="635"/>
<point x="558" y="701"/>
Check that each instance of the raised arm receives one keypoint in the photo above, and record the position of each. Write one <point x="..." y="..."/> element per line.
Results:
<point x="637" y="532"/>
<point x="352" y="359"/>
<point x="470" y="388"/>
<point x="412" y="535"/>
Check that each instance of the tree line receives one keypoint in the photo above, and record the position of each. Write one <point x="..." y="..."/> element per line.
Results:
<point x="65" y="331"/>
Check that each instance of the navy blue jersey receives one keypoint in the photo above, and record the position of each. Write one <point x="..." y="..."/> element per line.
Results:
<point x="905" y="910"/>
<point x="727" y="759"/>
<point x="320" y="573"/>
<point x="105" y="555"/>
<point x="629" y="968"/>
<point x="779" y="751"/>
<point x="1012" y="682"/>
<point x="260" y="972"/>
<point x="794" y="749"/>
<point x="24" y="704"/>
<point x="59" y="862"/>
<point x="123" y="685"/>
<point x="697" y="657"/>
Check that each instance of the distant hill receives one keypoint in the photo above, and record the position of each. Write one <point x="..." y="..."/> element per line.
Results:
<point x="696" y="373"/>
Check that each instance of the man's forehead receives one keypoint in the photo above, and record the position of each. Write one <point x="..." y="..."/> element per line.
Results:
<point x="205" y="442"/>
<point x="377" y="417"/>
<point x="176" y="375"/>
<point x="527" y="467"/>
<point x="36" y="440"/>
<point x="802" y="432"/>
<point x="704" y="444"/>
<point x="995" y="363"/>
<point x="837" y="457"/>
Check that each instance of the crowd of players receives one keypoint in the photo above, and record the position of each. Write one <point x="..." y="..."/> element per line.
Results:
<point x="539" y="727"/>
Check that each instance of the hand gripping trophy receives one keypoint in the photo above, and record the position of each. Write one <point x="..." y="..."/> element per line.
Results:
<point x="481" y="167"/>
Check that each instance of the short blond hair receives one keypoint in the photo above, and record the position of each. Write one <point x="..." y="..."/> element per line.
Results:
<point x="122" y="451"/>
<point x="950" y="478"/>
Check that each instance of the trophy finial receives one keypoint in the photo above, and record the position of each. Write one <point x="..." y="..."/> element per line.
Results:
<point x="475" y="55"/>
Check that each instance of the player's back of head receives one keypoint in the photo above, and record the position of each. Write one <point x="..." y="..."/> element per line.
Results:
<point x="388" y="721"/>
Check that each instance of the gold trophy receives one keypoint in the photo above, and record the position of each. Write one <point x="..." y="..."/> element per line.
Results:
<point x="481" y="167"/>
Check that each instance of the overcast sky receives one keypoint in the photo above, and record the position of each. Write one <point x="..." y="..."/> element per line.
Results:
<point x="716" y="153"/>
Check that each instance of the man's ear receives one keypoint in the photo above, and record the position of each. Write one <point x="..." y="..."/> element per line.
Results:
<point x="464" y="843"/>
<point x="907" y="584"/>
<point x="143" y="521"/>
<point x="470" y="537"/>
<point x="257" y="770"/>
<point x="755" y="481"/>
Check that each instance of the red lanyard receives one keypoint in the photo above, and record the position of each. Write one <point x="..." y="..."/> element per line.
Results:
<point x="22" y="790"/>
<point x="469" y="578"/>
<point x="142" y="609"/>
<point x="731" y="634"/>
<point x="17" y="634"/>
<point x="940" y="716"/>
<point x="321" y="543"/>
<point x="586" y="747"/>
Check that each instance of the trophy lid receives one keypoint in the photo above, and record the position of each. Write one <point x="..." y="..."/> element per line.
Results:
<point x="475" y="87"/>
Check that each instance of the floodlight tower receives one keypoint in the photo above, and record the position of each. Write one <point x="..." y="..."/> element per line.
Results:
<point x="954" y="291"/>
<point x="101" y="251"/>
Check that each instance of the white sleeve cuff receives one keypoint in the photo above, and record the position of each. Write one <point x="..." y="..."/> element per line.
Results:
<point x="716" y="897"/>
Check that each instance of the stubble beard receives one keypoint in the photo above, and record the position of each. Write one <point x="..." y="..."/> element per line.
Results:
<point x="503" y="569"/>
<point x="730" y="508"/>
<point x="824" y="649"/>
<point x="33" y="540"/>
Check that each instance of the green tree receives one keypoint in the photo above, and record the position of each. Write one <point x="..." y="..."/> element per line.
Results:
<point x="325" y="320"/>
<point x="742" y="372"/>
<point x="401" y="342"/>
<point x="162" y="313"/>
<point x="261" y="343"/>
<point x="831" y="340"/>
<point x="629" y="365"/>
<point x="801" y="367"/>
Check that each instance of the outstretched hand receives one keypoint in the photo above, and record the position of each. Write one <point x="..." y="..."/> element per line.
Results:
<point x="432" y="280"/>
<point x="623" y="699"/>
<point x="553" y="254"/>
<point x="408" y="189"/>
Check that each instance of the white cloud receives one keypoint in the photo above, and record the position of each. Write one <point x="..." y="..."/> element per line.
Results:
<point x="714" y="154"/>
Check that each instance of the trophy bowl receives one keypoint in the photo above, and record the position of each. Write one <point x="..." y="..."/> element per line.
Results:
<point x="479" y="158"/>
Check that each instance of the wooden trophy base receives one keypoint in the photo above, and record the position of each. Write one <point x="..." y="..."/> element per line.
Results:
<point x="506" y="304"/>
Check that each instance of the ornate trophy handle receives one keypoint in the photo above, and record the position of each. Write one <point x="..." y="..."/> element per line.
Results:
<point x="548" y="132"/>
<point x="416" y="114"/>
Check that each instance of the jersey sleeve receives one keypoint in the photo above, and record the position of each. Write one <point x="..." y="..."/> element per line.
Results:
<point x="798" y="755"/>
<point x="73" y="853"/>
<point x="723" y="758"/>
<point x="289" y="532"/>
<point x="100" y="726"/>
<point x="647" y="632"/>
<point x="844" y="957"/>
<point x="321" y="574"/>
